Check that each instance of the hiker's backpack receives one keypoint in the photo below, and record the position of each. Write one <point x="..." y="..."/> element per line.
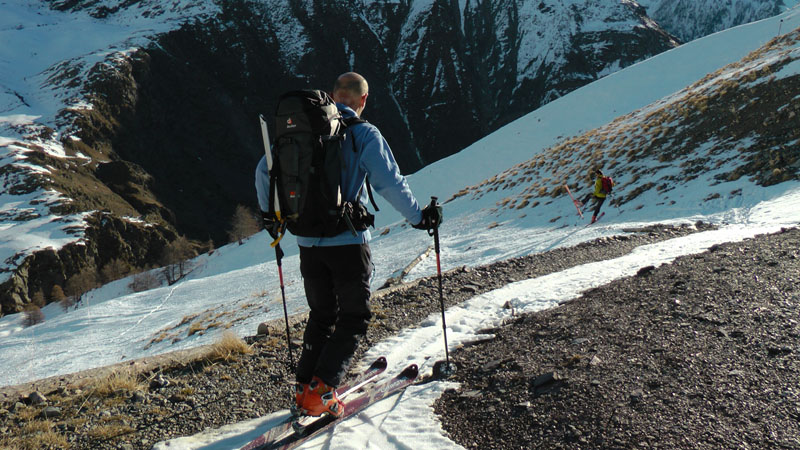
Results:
<point x="607" y="185"/>
<point x="307" y="167"/>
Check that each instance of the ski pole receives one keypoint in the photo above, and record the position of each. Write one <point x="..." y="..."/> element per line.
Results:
<point x="274" y="203"/>
<point x="447" y="371"/>
<point x="278" y="258"/>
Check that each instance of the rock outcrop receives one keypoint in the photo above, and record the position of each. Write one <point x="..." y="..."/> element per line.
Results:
<point x="106" y="238"/>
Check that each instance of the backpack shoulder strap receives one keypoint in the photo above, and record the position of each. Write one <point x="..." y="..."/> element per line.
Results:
<point x="349" y="122"/>
<point x="353" y="120"/>
<point x="369" y="194"/>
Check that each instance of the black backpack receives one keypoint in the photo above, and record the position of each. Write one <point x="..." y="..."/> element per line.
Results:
<point x="306" y="172"/>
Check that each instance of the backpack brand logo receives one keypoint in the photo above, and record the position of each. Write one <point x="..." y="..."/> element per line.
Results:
<point x="289" y="123"/>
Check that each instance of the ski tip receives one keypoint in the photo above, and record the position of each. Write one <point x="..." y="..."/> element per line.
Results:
<point x="410" y="372"/>
<point x="380" y="362"/>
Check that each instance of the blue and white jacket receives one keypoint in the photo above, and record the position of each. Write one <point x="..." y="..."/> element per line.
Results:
<point x="372" y="157"/>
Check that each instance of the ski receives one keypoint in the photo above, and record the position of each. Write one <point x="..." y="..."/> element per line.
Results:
<point x="574" y="201"/>
<point x="367" y="376"/>
<point x="598" y="218"/>
<point x="376" y="368"/>
<point x="370" y="395"/>
<point x="267" y="148"/>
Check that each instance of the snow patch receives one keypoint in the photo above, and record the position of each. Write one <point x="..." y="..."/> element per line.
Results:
<point x="18" y="119"/>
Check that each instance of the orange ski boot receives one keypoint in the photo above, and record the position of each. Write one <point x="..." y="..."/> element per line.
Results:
<point x="320" y="398"/>
<point x="300" y="391"/>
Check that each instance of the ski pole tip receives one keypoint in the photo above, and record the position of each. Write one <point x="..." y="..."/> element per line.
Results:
<point x="444" y="369"/>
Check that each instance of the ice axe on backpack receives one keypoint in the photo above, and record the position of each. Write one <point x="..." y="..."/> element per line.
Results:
<point x="441" y="369"/>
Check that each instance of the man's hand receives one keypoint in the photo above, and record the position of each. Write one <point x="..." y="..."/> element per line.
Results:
<point x="431" y="218"/>
<point x="271" y="224"/>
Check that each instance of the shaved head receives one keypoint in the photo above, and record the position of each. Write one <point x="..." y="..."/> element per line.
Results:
<point x="351" y="89"/>
<point x="353" y="83"/>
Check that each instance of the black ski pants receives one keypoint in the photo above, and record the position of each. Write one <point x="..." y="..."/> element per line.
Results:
<point x="336" y="281"/>
<point x="598" y="201"/>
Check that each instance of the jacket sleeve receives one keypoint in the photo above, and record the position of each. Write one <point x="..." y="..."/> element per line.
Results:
<point x="384" y="174"/>
<point x="262" y="184"/>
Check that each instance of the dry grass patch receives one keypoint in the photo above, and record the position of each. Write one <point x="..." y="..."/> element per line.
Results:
<point x="161" y="337"/>
<point x="44" y="440"/>
<point x="36" y="426"/>
<point x="110" y="402"/>
<point x="196" y="327"/>
<point x="77" y="422"/>
<point x="228" y="348"/>
<point x="26" y="413"/>
<point x="159" y="411"/>
<point x="187" y="319"/>
<point x="118" y="381"/>
<point x="187" y="391"/>
<point x="37" y="434"/>
<point x="109" y="431"/>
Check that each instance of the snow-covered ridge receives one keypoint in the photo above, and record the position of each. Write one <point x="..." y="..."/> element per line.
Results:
<point x="49" y="44"/>
<point x="691" y="19"/>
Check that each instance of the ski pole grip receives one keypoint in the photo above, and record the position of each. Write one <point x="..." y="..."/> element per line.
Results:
<point x="435" y="225"/>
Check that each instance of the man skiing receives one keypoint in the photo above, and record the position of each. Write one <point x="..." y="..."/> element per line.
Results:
<point x="336" y="270"/>
<point x="599" y="194"/>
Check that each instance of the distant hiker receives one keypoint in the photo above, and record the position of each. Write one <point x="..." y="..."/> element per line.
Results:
<point x="602" y="187"/>
<point x="336" y="269"/>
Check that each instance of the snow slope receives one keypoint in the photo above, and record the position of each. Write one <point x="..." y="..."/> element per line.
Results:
<point x="238" y="284"/>
<point x="597" y="104"/>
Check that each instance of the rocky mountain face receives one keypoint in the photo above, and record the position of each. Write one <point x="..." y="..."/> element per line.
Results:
<point x="107" y="238"/>
<point x="692" y="19"/>
<point x="172" y="133"/>
<point x="441" y="76"/>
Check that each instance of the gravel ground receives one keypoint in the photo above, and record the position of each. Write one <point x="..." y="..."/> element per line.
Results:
<point x="713" y="338"/>
<point x="700" y="353"/>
